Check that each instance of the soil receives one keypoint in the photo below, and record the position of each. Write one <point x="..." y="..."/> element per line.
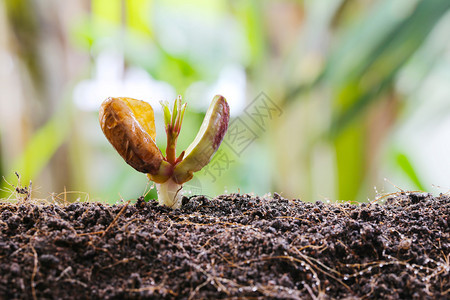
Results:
<point x="233" y="246"/>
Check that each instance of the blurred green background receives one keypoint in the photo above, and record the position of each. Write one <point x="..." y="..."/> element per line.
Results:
<point x="330" y="100"/>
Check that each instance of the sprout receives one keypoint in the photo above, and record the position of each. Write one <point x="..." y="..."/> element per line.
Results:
<point x="129" y="125"/>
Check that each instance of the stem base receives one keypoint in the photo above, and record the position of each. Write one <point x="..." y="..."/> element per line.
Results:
<point x="169" y="194"/>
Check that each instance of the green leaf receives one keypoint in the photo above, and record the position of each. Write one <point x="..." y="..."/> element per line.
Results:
<point x="207" y="141"/>
<point x="166" y="110"/>
<point x="376" y="71"/>
<point x="350" y="159"/>
<point x="175" y="111"/>
<point x="40" y="149"/>
<point x="359" y="74"/>
<point x="180" y="116"/>
<point x="408" y="169"/>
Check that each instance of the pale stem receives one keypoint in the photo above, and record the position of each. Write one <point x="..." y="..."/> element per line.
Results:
<point x="169" y="193"/>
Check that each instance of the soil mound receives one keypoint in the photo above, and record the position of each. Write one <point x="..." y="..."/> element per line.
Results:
<point x="228" y="247"/>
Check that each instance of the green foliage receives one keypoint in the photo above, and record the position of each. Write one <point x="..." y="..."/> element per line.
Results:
<point x="407" y="167"/>
<point x="39" y="150"/>
<point x="376" y="69"/>
<point x="339" y="64"/>
<point x="359" y="75"/>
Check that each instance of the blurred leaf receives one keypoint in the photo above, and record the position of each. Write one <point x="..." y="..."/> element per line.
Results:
<point x="386" y="58"/>
<point x="353" y="54"/>
<point x="373" y="64"/>
<point x="179" y="71"/>
<point x="23" y="21"/>
<point x="250" y="14"/>
<point x="110" y="10"/>
<point x="138" y="15"/>
<point x="40" y="149"/>
<point x="350" y="158"/>
<point x="368" y="72"/>
<point x="89" y="30"/>
<point x="407" y="167"/>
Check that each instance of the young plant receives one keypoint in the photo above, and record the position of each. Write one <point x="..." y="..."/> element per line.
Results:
<point x="129" y="125"/>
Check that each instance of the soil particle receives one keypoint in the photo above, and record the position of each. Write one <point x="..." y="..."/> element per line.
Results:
<point x="228" y="247"/>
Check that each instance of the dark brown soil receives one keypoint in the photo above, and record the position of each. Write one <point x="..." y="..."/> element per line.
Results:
<point x="234" y="246"/>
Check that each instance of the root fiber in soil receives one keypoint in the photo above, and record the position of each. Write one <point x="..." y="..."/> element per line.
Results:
<point x="228" y="247"/>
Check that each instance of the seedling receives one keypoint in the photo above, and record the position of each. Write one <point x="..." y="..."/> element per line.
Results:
<point x="129" y="125"/>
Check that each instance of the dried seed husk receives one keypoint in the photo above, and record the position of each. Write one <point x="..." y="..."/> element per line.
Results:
<point x="129" y="125"/>
<point x="207" y="141"/>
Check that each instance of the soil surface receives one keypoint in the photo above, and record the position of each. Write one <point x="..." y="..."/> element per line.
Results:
<point x="233" y="246"/>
